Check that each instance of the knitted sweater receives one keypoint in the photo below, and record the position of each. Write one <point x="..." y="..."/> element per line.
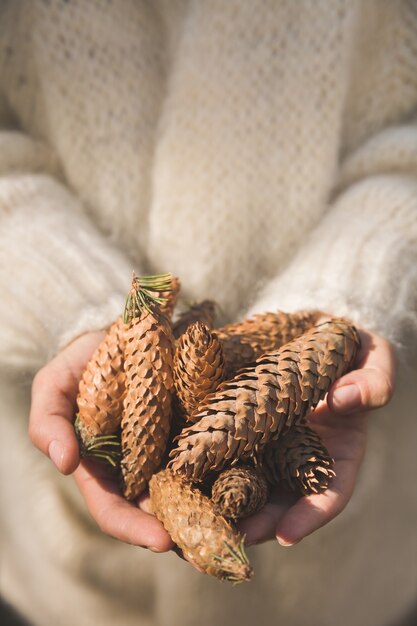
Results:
<point x="265" y="152"/>
<point x="230" y="145"/>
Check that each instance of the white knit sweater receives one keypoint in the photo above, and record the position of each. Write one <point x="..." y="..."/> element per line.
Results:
<point x="265" y="152"/>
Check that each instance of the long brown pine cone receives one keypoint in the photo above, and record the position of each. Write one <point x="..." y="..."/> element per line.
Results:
<point x="147" y="404"/>
<point x="204" y="312"/>
<point x="299" y="461"/>
<point x="260" y="402"/>
<point x="244" y="342"/>
<point x="101" y="393"/>
<point x="199" y="367"/>
<point x="239" y="492"/>
<point x="206" y="539"/>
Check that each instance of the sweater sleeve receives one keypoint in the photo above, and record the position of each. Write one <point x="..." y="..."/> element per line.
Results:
<point x="361" y="259"/>
<point x="59" y="276"/>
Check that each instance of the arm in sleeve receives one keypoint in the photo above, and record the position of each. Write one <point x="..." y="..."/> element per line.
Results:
<point x="361" y="259"/>
<point x="59" y="276"/>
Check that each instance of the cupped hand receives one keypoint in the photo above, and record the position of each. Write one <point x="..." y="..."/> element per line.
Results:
<point x="341" y="421"/>
<point x="54" y="393"/>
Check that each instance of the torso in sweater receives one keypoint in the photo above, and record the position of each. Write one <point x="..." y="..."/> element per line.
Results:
<point x="206" y="138"/>
<point x="233" y="143"/>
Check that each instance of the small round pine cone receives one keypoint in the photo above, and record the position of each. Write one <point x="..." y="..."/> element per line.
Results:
<point x="239" y="492"/>
<point x="198" y="367"/>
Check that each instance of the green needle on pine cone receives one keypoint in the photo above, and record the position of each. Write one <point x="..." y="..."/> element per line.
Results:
<point x="102" y="448"/>
<point x="170" y="297"/>
<point x="263" y="401"/>
<point x="145" y="293"/>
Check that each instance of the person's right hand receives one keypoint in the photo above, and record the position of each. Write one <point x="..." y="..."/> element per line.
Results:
<point x="54" y="393"/>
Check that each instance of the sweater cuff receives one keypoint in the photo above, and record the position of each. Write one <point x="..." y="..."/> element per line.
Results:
<point x="360" y="262"/>
<point x="59" y="275"/>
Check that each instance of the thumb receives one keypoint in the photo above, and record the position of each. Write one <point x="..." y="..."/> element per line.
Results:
<point x="51" y="415"/>
<point x="54" y="395"/>
<point x="371" y="386"/>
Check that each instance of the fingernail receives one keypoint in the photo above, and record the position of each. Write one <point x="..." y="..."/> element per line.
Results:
<point x="286" y="544"/>
<point x="155" y="549"/>
<point x="346" y="399"/>
<point x="56" y="453"/>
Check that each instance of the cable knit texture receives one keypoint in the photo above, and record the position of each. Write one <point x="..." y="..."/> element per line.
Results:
<point x="265" y="152"/>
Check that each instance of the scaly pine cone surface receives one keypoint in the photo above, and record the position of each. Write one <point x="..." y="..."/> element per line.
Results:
<point x="259" y="403"/>
<point x="102" y="388"/>
<point x="244" y="342"/>
<point x="204" y="536"/>
<point x="204" y="312"/>
<point x="299" y="461"/>
<point x="198" y="367"/>
<point x="239" y="492"/>
<point x="146" y="416"/>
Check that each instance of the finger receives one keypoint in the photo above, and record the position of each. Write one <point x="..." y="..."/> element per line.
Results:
<point x="371" y="386"/>
<point x="50" y="419"/>
<point x="262" y="526"/>
<point x="116" y="516"/>
<point x="312" y="512"/>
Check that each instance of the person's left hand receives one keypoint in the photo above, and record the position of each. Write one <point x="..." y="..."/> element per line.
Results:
<point x="341" y="421"/>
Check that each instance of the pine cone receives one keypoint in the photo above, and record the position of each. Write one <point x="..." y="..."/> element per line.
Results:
<point x="198" y="367"/>
<point x="102" y="387"/>
<point x="260" y="402"/>
<point x="205" y="537"/>
<point x="204" y="312"/>
<point x="239" y="492"/>
<point x="299" y="461"/>
<point x="149" y="388"/>
<point x="246" y="341"/>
